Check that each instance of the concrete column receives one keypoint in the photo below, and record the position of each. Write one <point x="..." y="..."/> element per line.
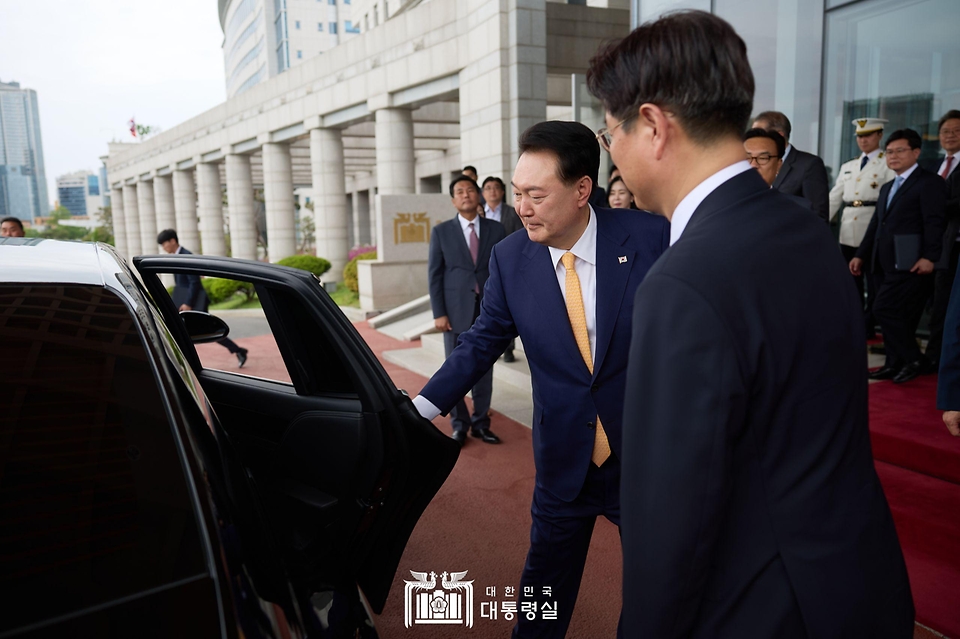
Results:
<point x="131" y="213"/>
<point x="395" y="160"/>
<point x="163" y="200"/>
<point x="492" y="120"/>
<point x="210" y="208"/>
<point x="278" y="200"/>
<point x="243" y="221"/>
<point x="374" y="214"/>
<point x="361" y="217"/>
<point x="148" y="218"/>
<point x="329" y="199"/>
<point x="185" y="209"/>
<point x="119" y="223"/>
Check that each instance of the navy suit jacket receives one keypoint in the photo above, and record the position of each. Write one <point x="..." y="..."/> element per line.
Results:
<point x="918" y="208"/>
<point x="453" y="275"/>
<point x="804" y="175"/>
<point x="522" y="297"/>
<point x="750" y="506"/>
<point x="188" y="290"/>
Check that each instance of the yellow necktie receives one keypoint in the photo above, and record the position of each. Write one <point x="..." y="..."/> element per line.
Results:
<point x="578" y="321"/>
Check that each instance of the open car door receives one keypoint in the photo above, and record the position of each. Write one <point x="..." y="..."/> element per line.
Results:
<point x="345" y="463"/>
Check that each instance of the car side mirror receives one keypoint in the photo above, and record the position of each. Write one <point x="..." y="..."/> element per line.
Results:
<point x="204" y="327"/>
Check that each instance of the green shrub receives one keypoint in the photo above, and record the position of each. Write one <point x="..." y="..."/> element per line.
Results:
<point x="316" y="265"/>
<point x="350" y="271"/>
<point x="220" y="289"/>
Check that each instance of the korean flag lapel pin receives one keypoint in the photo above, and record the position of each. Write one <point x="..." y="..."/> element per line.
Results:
<point x="622" y="259"/>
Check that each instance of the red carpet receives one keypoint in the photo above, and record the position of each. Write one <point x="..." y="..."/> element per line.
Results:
<point x="479" y="521"/>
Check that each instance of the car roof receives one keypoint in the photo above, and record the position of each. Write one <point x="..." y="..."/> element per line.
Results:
<point x="39" y="261"/>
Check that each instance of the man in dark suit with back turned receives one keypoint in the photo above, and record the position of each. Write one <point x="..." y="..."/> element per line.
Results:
<point x="751" y="507"/>
<point x="188" y="293"/>
<point x="901" y="246"/>
<point x="566" y="288"/>
<point x="948" y="383"/>
<point x="458" y="268"/>
<point x="802" y="173"/>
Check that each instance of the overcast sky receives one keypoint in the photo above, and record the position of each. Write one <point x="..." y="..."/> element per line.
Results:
<point x="96" y="63"/>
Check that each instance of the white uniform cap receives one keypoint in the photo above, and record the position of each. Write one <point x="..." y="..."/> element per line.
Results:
<point x="868" y="125"/>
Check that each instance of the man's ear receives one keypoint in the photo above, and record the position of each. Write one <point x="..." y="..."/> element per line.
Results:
<point x="584" y="189"/>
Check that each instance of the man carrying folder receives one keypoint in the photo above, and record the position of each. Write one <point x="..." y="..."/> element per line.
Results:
<point x="900" y="247"/>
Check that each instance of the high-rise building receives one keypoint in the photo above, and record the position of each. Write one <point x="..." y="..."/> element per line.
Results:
<point x="80" y="193"/>
<point x="23" y="182"/>
<point x="262" y="38"/>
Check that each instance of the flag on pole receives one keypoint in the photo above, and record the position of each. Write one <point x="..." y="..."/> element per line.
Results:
<point x="133" y="127"/>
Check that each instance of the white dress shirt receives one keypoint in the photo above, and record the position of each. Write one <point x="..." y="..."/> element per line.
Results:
<point x="953" y="166"/>
<point x="688" y="205"/>
<point x="585" y="251"/>
<point x="871" y="156"/>
<point x="494" y="214"/>
<point x="465" y="227"/>
<point x="786" y="152"/>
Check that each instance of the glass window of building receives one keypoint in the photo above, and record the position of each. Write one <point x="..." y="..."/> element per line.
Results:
<point x="349" y="27"/>
<point x="296" y="24"/>
<point x="299" y="54"/>
<point x="93" y="185"/>
<point x="333" y="27"/>
<point x="893" y="59"/>
<point x="333" y="3"/>
<point x="319" y="26"/>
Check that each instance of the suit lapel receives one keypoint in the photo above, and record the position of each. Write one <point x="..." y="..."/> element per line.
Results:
<point x="457" y="236"/>
<point x="909" y="182"/>
<point x="541" y="278"/>
<point x="612" y="276"/>
<point x="785" y="169"/>
<point x="486" y="242"/>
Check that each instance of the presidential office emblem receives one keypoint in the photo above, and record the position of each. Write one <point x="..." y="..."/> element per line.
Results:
<point x="411" y="228"/>
<point x="451" y="604"/>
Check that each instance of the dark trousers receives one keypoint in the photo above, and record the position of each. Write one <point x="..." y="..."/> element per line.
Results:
<point x="864" y="284"/>
<point x="942" y="285"/>
<point x="559" y="540"/>
<point x="460" y="417"/>
<point x="230" y="345"/>
<point x="900" y="301"/>
<point x="510" y="347"/>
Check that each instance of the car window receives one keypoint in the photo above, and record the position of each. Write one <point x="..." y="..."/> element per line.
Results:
<point x="94" y="504"/>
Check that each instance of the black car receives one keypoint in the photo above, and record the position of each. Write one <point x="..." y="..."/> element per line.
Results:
<point x="143" y="494"/>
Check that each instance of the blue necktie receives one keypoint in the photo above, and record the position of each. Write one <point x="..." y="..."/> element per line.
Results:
<point x="863" y="161"/>
<point x="893" y="189"/>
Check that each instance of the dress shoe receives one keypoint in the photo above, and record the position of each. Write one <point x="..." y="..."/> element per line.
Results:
<point x="509" y="357"/>
<point x="242" y="357"/>
<point x="911" y="371"/>
<point x="887" y="372"/>
<point x="486" y="436"/>
<point x="460" y="436"/>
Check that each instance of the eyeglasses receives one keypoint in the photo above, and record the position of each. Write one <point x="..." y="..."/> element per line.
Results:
<point x="761" y="160"/>
<point x="899" y="150"/>
<point x="604" y="136"/>
<point x="949" y="131"/>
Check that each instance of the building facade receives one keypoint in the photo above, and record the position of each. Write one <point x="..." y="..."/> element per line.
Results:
<point x="23" y="181"/>
<point x="81" y="194"/>
<point x="263" y="38"/>
<point x="826" y="62"/>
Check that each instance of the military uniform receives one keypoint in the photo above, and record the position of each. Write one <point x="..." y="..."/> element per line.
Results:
<point x="855" y="193"/>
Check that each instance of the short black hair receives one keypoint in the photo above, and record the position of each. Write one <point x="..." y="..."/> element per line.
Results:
<point x="613" y="167"/>
<point x="911" y="136"/>
<point x="15" y="220"/>
<point x="690" y="63"/>
<point x="463" y="178"/>
<point x="166" y="235"/>
<point x="493" y="178"/>
<point x="616" y="179"/>
<point x="777" y="121"/>
<point x="574" y="145"/>
<point x="757" y="132"/>
<point x="471" y="168"/>
<point x="952" y="114"/>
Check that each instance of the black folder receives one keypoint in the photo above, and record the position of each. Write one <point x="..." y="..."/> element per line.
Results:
<point x="906" y="250"/>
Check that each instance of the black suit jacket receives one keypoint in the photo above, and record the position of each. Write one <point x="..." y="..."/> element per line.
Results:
<point x="750" y="504"/>
<point x="188" y="290"/>
<point x="452" y="273"/>
<point x="510" y="220"/>
<point x="803" y="174"/>
<point x="948" y="383"/>
<point x="951" y="219"/>
<point x="917" y="208"/>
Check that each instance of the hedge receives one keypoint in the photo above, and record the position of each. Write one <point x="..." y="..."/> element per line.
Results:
<point x="220" y="289"/>
<point x="350" y="271"/>
<point x="316" y="265"/>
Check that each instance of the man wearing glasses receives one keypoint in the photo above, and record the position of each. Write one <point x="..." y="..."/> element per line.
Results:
<point x="765" y="152"/>
<point x="855" y="193"/>
<point x="901" y="246"/>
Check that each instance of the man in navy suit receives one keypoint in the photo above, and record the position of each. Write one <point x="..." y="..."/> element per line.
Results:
<point x="751" y="507"/>
<point x="566" y="288"/>
<point x="188" y="293"/>
<point x="458" y="268"/>
<point x="948" y="383"/>
<point x="901" y="246"/>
